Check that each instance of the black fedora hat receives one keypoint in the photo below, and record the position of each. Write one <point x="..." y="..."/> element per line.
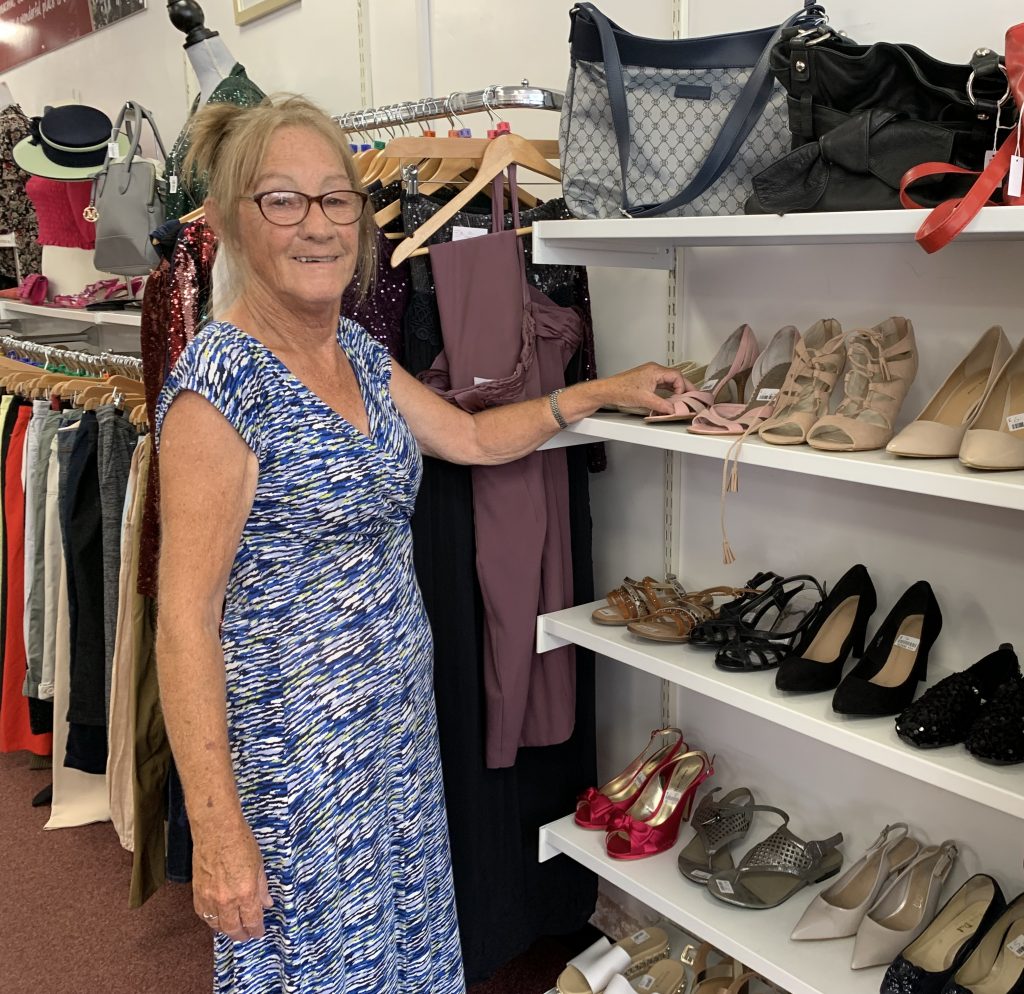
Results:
<point x="67" y="143"/>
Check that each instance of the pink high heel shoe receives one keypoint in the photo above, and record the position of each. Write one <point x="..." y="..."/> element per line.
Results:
<point x="102" y="291"/>
<point x="651" y="825"/>
<point x="724" y="381"/>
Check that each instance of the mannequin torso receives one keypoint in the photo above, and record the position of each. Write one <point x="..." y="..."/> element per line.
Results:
<point x="211" y="62"/>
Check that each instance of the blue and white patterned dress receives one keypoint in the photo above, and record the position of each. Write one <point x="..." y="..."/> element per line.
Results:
<point x="330" y="702"/>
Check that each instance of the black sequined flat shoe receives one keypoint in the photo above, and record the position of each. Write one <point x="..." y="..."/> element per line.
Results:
<point x="944" y="714"/>
<point x="927" y="964"/>
<point x="998" y="734"/>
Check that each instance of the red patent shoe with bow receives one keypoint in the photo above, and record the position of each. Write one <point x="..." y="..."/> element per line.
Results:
<point x="651" y="825"/>
<point x="597" y="804"/>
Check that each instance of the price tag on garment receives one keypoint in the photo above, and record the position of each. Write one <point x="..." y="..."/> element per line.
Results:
<point x="908" y="642"/>
<point x="479" y="380"/>
<point x="1015" y="182"/>
<point x="1017" y="946"/>
<point x="640" y="937"/>
<point x="173" y="183"/>
<point x="725" y="887"/>
<point x="709" y="385"/>
<point x="460" y="233"/>
<point x="989" y="156"/>
<point x="1015" y="422"/>
<point x="767" y="394"/>
<point x="113" y="150"/>
<point x="645" y="983"/>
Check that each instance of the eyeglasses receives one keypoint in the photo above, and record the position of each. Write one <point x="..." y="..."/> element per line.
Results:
<point x="289" y="207"/>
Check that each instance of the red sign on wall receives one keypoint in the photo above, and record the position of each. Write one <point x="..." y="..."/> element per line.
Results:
<point x="29" y="28"/>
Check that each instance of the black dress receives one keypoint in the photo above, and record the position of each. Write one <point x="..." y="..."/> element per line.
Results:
<point x="505" y="898"/>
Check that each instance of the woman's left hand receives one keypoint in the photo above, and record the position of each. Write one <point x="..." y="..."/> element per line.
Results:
<point x="636" y="388"/>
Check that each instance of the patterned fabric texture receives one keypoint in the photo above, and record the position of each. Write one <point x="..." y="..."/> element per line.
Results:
<point x="330" y="703"/>
<point x="16" y="211"/>
<point x="670" y="139"/>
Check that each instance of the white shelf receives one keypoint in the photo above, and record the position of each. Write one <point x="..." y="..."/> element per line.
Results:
<point x="131" y="318"/>
<point x="760" y="939"/>
<point x="650" y="243"/>
<point x="934" y="477"/>
<point x="871" y="739"/>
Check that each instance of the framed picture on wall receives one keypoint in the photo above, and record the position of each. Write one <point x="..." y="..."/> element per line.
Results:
<point x="250" y="10"/>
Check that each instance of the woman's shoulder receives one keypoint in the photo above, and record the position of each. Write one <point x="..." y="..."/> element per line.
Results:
<point x="360" y="344"/>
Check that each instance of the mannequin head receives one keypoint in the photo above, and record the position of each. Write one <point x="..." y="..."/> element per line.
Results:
<point x="188" y="16"/>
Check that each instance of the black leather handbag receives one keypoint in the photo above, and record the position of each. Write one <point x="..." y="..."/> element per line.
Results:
<point x="861" y="116"/>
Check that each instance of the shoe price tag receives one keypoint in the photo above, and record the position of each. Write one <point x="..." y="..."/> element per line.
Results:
<point x="672" y="797"/>
<point x="767" y="394"/>
<point x="725" y="887"/>
<point x="1017" y="946"/>
<point x="1015" y="181"/>
<point x="709" y="385"/>
<point x="908" y="642"/>
<point x="1015" y="422"/>
<point x="645" y="983"/>
<point x="640" y="937"/>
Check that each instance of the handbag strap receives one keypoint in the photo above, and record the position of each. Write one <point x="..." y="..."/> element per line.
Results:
<point x="745" y="113"/>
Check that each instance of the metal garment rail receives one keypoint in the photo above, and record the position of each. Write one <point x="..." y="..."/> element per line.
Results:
<point x="492" y="98"/>
<point x="93" y="362"/>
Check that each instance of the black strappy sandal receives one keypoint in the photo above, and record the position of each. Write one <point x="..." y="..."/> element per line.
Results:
<point x="781" y="618"/>
<point x="723" y="628"/>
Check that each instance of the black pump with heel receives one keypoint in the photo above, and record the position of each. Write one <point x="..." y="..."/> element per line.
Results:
<point x="840" y="628"/>
<point x="884" y="681"/>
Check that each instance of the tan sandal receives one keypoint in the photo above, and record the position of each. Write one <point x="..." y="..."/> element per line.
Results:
<point x="674" y="624"/>
<point x="632" y="957"/>
<point x="636" y="599"/>
<point x="708" y="978"/>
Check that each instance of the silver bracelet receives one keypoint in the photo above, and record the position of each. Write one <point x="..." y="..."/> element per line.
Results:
<point x="556" y="411"/>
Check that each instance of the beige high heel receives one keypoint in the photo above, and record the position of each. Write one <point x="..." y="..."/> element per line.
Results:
<point x="995" y="439"/>
<point x="939" y="429"/>
<point x="882" y="364"/>
<point x="818" y="359"/>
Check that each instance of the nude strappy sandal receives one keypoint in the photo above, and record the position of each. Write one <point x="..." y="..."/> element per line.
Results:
<point x="711" y="977"/>
<point x="636" y="599"/>
<point x="724" y="381"/>
<point x="938" y="431"/>
<point x="667" y="976"/>
<point x="631" y="957"/>
<point x="881" y="366"/>
<point x="818" y="361"/>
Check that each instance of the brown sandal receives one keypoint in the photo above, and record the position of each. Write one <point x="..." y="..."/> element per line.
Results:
<point x="637" y="599"/>
<point x="675" y="623"/>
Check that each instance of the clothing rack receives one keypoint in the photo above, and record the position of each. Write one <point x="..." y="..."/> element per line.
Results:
<point x="103" y="362"/>
<point x="493" y="98"/>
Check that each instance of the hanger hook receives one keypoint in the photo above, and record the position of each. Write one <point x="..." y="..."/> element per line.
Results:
<point x="488" y="94"/>
<point x="453" y="119"/>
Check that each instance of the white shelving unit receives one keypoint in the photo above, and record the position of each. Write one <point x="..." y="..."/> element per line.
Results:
<point x="947" y="789"/>
<point x="759" y="939"/>
<point x="14" y="308"/>
<point x="872" y="739"/>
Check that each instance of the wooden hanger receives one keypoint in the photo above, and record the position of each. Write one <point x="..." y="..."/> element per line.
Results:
<point x="446" y="171"/>
<point x="501" y="152"/>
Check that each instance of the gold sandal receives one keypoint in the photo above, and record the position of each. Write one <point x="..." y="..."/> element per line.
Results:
<point x="636" y="599"/>
<point x="674" y="624"/>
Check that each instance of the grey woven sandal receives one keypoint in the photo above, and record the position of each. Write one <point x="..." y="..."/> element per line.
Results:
<point x="775" y="869"/>
<point x="719" y="824"/>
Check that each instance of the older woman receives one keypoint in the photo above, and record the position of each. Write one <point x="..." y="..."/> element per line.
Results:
<point x="294" y="653"/>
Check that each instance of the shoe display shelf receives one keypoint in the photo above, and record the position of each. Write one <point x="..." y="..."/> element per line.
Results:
<point x="761" y="938"/>
<point x="17" y="308"/>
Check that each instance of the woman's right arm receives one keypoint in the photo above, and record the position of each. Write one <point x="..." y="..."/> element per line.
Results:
<point x="207" y="482"/>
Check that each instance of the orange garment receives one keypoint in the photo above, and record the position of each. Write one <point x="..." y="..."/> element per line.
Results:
<point x="15" y="731"/>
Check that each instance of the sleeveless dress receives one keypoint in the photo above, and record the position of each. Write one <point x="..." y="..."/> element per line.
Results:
<point x="330" y="703"/>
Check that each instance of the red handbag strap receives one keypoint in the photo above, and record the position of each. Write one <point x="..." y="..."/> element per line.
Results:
<point x="947" y="220"/>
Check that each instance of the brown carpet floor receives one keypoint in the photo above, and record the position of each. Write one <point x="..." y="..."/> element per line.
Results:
<point x="66" y="928"/>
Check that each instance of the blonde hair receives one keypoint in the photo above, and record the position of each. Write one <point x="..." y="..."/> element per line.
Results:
<point x="228" y="146"/>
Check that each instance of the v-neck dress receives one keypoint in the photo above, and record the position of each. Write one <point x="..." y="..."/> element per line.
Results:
<point x="330" y="703"/>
